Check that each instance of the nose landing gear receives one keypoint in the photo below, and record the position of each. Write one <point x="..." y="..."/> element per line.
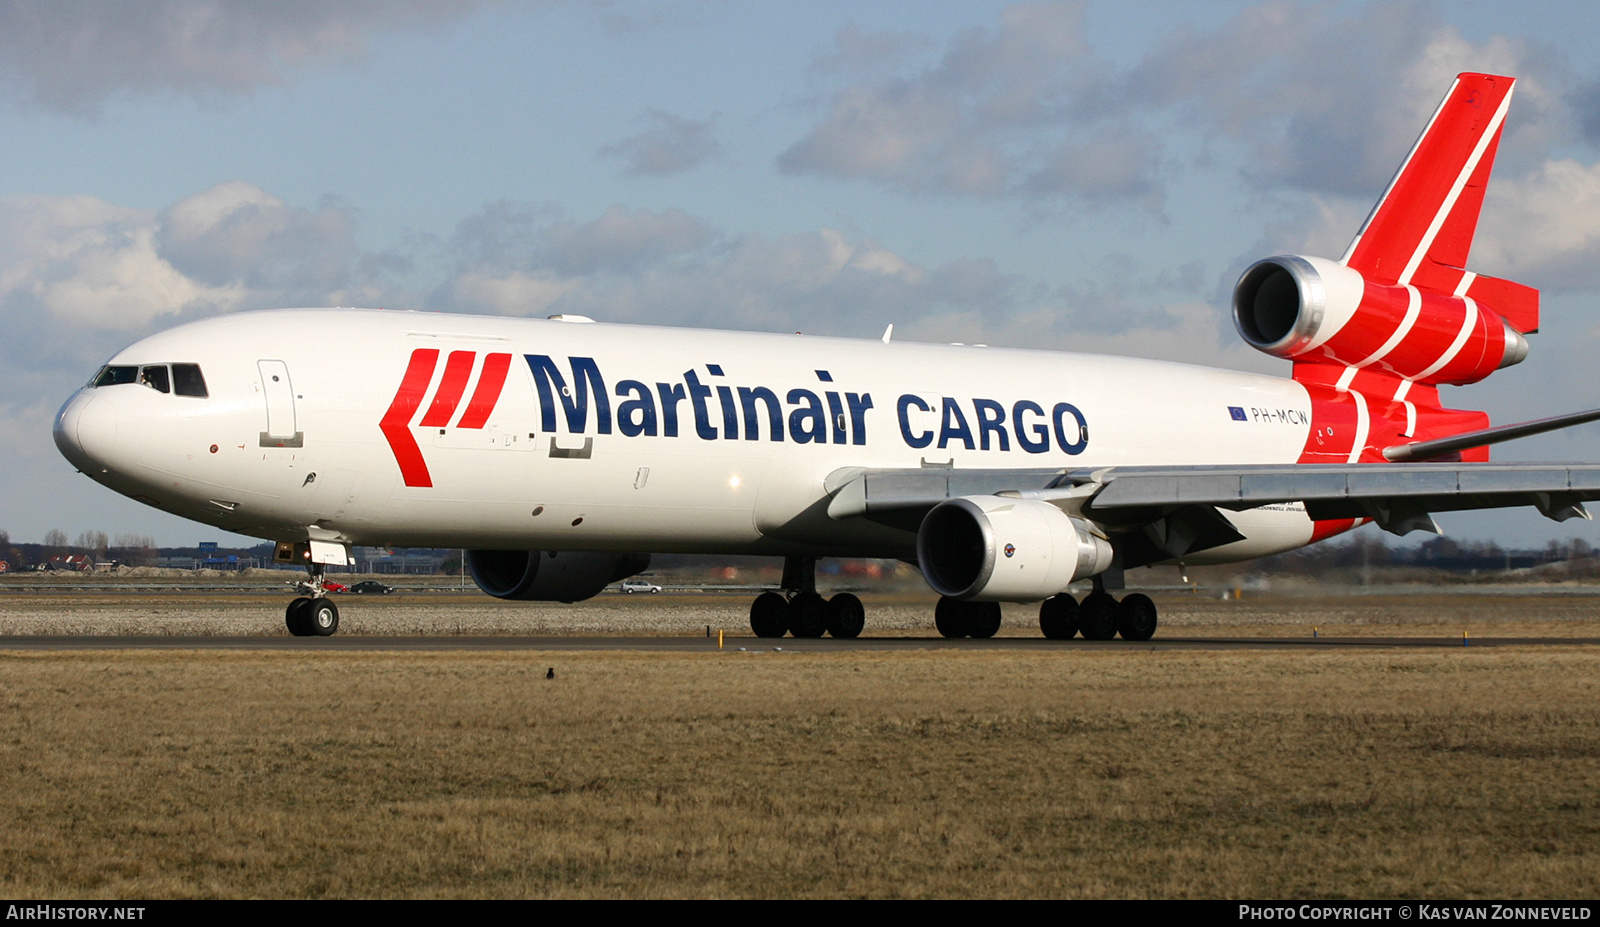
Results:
<point x="314" y="615"/>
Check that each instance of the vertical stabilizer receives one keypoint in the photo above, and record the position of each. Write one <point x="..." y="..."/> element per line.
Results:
<point x="1420" y="233"/>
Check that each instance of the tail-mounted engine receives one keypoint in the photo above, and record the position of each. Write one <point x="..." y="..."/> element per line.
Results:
<point x="1000" y="549"/>
<point x="550" y="576"/>
<point x="1312" y="309"/>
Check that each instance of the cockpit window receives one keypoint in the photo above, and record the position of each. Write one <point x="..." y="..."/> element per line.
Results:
<point x="155" y="377"/>
<point x="113" y="376"/>
<point x="183" y="379"/>
<point x="188" y="381"/>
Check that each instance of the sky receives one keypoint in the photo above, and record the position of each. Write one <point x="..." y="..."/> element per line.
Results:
<point x="1088" y="176"/>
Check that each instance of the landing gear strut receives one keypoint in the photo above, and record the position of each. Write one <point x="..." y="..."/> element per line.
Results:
<point x="1100" y="617"/>
<point x="801" y="611"/>
<point x="314" y="615"/>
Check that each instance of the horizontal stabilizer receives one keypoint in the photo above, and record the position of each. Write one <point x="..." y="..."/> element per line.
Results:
<point x="1516" y="303"/>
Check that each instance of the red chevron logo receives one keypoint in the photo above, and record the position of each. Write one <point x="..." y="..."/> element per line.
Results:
<point x="396" y="422"/>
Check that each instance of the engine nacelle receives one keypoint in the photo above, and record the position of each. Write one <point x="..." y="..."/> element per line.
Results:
<point x="997" y="549"/>
<point x="1313" y="309"/>
<point x="550" y="576"/>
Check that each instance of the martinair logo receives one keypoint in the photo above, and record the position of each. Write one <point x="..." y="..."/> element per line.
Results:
<point x="804" y="415"/>
<point x="396" y="423"/>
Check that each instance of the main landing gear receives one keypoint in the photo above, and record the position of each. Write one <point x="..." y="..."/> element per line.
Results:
<point x="1100" y="617"/>
<point x="314" y="615"/>
<point x="955" y="618"/>
<point x="801" y="611"/>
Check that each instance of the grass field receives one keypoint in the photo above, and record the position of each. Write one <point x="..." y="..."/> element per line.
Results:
<point x="1115" y="772"/>
<point x="1572" y="611"/>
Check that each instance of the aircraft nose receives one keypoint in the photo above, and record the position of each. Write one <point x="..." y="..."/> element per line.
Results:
<point x="86" y="431"/>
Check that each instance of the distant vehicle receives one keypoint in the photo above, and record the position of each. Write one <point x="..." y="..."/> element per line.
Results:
<point x="305" y="588"/>
<point x="638" y="585"/>
<point x="371" y="587"/>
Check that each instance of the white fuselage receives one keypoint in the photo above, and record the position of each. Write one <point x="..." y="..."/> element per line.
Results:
<point x="704" y="441"/>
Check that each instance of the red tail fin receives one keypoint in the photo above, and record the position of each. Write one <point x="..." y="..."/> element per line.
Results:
<point x="1420" y="233"/>
<point x="1373" y="335"/>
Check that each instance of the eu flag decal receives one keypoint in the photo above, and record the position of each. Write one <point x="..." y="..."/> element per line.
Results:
<point x="1237" y="413"/>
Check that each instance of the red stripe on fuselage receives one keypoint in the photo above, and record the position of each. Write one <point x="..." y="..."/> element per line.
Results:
<point x="445" y="399"/>
<point x="1334" y="417"/>
<point x="1321" y="530"/>
<point x="1333" y="430"/>
<point x="1335" y="421"/>
<point x="490" y="382"/>
<point x="396" y="423"/>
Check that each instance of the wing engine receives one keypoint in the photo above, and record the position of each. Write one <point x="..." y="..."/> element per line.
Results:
<point x="550" y="576"/>
<point x="1001" y="549"/>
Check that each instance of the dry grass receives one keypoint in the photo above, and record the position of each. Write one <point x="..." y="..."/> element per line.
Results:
<point x="1480" y="614"/>
<point x="1119" y="772"/>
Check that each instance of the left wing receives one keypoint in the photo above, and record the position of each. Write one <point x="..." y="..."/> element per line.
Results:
<point x="1176" y="509"/>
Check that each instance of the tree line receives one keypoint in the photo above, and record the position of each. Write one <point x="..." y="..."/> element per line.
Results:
<point x="130" y="549"/>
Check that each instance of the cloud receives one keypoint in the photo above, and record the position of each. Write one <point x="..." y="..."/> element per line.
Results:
<point x="899" y="133"/>
<point x="668" y="145"/>
<point x="505" y="292"/>
<point x="960" y="126"/>
<point x="73" y="56"/>
<point x="518" y="236"/>
<point x="1120" y="164"/>
<point x="669" y="268"/>
<point x="236" y="234"/>
<point x="857" y="52"/>
<point x="80" y="277"/>
<point x="1317" y="98"/>
<point x="1188" y="335"/>
<point x="82" y="262"/>
<point x="521" y="260"/>
<point x="666" y="268"/>
<point x="1322" y="98"/>
<point x="624" y="17"/>
<point x="621" y="240"/>
<point x="1543" y="229"/>
<point x="1585" y="101"/>
<point x="819" y="282"/>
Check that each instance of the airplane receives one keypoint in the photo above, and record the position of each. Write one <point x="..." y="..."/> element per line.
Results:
<point x="561" y="453"/>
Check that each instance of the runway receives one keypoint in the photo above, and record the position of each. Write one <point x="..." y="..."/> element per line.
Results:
<point x="446" y="643"/>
